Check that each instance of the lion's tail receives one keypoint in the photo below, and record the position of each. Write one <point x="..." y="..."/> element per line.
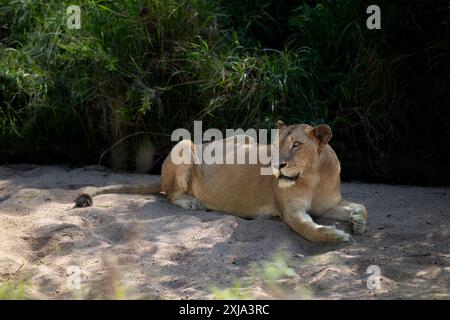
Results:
<point x="85" y="199"/>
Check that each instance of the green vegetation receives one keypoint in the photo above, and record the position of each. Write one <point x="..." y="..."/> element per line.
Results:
<point x="14" y="290"/>
<point x="141" y="68"/>
<point x="267" y="279"/>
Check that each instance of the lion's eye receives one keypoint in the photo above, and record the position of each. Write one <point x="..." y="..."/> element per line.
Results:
<point x="296" y="144"/>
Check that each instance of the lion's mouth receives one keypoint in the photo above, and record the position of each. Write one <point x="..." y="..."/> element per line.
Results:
<point x="289" y="178"/>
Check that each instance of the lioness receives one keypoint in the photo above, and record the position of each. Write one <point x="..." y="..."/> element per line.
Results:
<point x="305" y="182"/>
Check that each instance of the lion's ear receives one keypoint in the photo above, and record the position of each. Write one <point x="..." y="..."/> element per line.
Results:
<point x="280" y="124"/>
<point x="323" y="133"/>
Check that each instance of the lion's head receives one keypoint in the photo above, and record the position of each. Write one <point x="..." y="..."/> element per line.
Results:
<point x="299" y="148"/>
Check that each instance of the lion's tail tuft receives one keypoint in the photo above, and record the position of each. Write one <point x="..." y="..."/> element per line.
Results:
<point x="85" y="199"/>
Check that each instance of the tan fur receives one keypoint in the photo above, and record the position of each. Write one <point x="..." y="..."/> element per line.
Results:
<point x="241" y="190"/>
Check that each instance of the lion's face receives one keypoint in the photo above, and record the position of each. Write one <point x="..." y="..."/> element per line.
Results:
<point x="298" y="148"/>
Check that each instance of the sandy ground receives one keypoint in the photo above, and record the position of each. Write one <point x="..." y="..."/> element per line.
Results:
<point x="144" y="247"/>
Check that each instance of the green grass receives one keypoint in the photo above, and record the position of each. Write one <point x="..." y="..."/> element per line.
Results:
<point x="14" y="290"/>
<point x="273" y="278"/>
<point x="142" y="68"/>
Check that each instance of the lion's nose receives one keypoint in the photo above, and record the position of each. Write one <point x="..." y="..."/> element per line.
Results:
<point x="282" y="165"/>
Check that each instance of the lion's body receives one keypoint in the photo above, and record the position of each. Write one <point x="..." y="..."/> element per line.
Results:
<point x="307" y="183"/>
<point x="225" y="187"/>
<point x="240" y="189"/>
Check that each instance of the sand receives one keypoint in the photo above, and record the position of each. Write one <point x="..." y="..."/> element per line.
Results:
<point x="137" y="246"/>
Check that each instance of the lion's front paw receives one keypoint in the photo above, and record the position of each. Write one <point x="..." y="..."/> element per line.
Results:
<point x="331" y="234"/>
<point x="358" y="220"/>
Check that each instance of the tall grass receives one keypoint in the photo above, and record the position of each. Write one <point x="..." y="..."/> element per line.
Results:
<point x="139" y="69"/>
